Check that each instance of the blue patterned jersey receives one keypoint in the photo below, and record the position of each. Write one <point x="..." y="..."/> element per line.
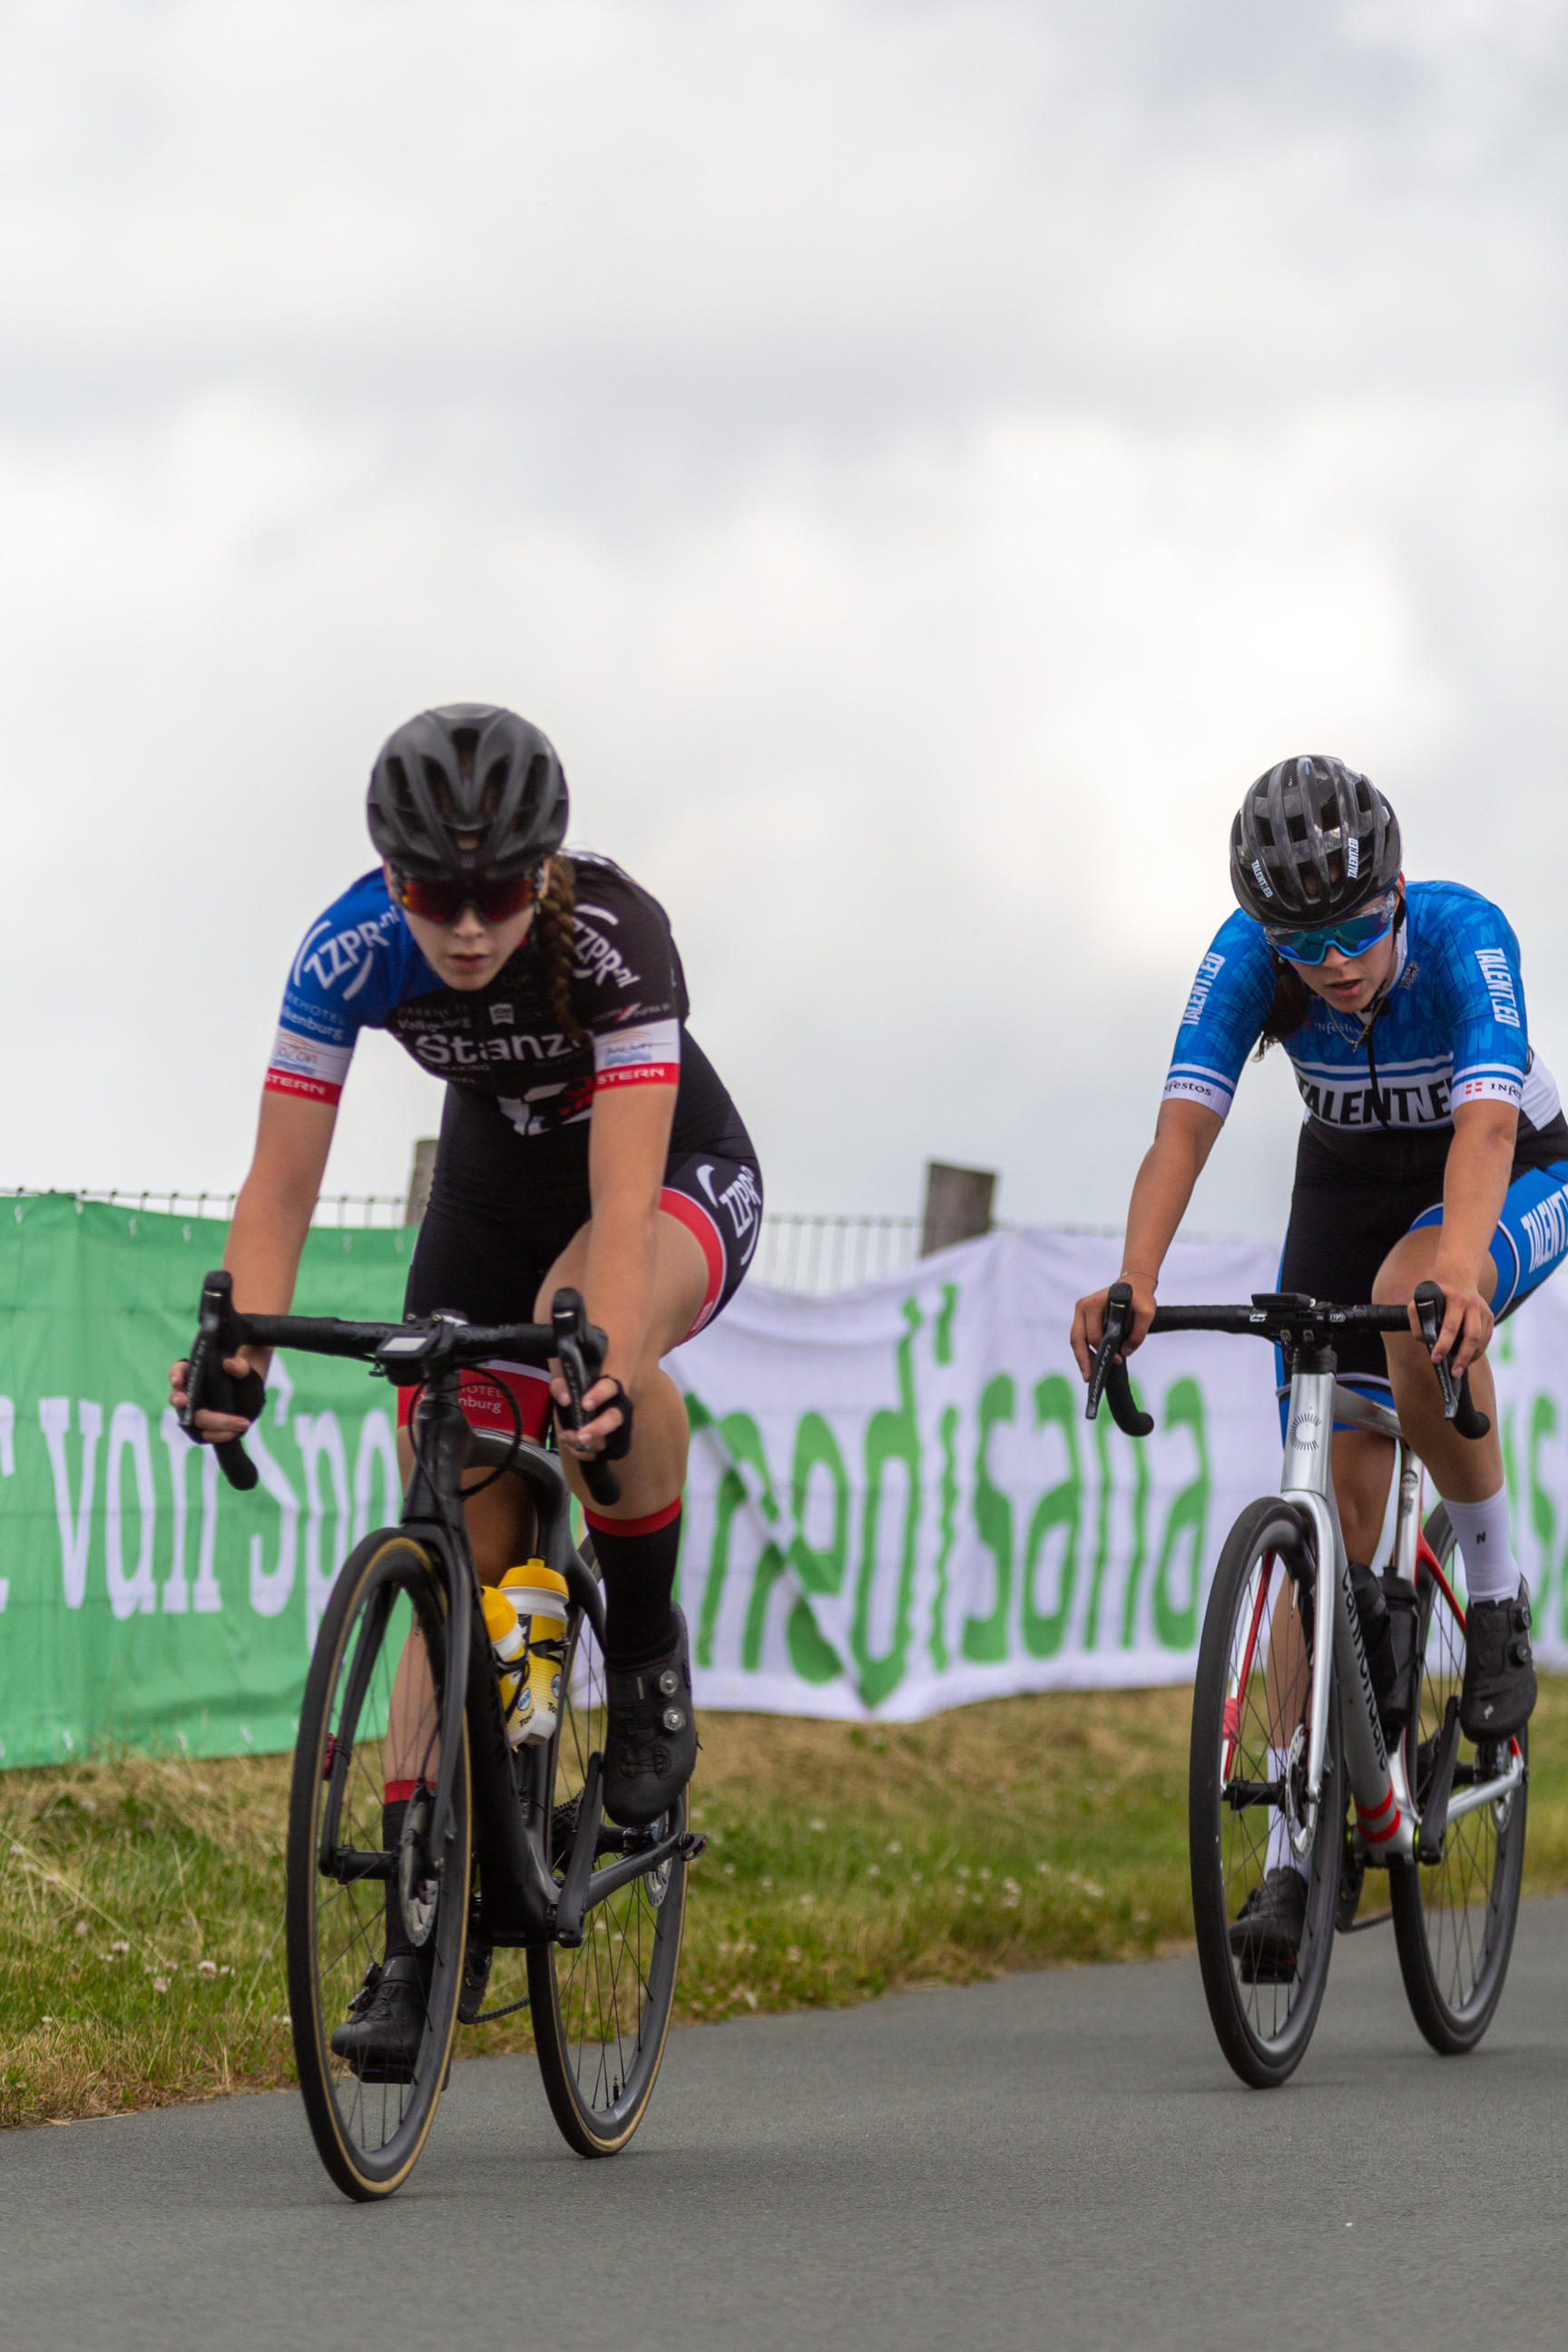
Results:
<point x="1454" y="1030"/>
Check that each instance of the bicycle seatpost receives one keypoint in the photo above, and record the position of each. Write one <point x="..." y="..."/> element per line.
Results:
<point x="1458" y="1406"/>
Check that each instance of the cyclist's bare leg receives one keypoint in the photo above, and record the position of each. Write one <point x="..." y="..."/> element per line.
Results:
<point x="1364" y="1465"/>
<point x="502" y="1527"/>
<point x="1363" y="1470"/>
<point x="1463" y="1470"/>
<point x="654" y="1473"/>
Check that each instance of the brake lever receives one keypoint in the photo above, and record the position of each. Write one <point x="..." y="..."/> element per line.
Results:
<point x="576" y="1342"/>
<point x="206" y="1382"/>
<point x="1118" y="1324"/>
<point x="1112" y="1380"/>
<point x="1459" y="1405"/>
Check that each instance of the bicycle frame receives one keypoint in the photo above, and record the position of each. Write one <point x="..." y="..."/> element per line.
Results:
<point x="520" y="1902"/>
<point x="1387" y="1819"/>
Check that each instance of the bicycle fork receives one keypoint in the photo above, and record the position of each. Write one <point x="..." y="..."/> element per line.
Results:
<point x="1384" y="1815"/>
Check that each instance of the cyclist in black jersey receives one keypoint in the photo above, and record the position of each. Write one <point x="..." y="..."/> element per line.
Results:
<point x="587" y="1140"/>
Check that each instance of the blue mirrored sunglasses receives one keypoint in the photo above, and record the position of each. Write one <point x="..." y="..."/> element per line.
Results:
<point x="1352" y="938"/>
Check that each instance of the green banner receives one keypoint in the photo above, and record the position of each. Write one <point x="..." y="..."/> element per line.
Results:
<point x="142" y="1603"/>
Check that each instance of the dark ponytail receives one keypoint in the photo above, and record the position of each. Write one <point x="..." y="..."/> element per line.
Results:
<point x="1292" y="1003"/>
<point x="556" y="925"/>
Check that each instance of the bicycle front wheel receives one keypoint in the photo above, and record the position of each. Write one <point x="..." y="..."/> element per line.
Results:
<point x="601" y="2012"/>
<point x="378" y="1676"/>
<point x="1454" y="1919"/>
<point x="1251" y="1709"/>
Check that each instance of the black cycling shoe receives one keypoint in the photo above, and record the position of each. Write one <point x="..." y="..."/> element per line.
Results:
<point x="650" y="1748"/>
<point x="1498" y="1697"/>
<point x="381" y="2035"/>
<point x="1266" y="1934"/>
<point x="475" y="1979"/>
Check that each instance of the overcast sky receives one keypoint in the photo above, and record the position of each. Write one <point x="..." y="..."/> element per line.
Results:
<point x="917" y="461"/>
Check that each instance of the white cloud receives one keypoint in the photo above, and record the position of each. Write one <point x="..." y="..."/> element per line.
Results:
<point x="918" y="462"/>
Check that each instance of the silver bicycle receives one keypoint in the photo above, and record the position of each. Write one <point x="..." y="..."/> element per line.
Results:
<point x="1292" y="1747"/>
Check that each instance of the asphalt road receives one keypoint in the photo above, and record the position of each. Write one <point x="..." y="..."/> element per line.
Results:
<point x="1060" y="2159"/>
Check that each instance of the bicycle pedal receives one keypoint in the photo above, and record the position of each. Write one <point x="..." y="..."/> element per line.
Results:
<point x="693" y="1845"/>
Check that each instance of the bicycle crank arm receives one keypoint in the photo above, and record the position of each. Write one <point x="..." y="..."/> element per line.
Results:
<point x="573" y="1902"/>
<point x="1435" y="1813"/>
<point x="687" y="1843"/>
<point x="1487" y="1792"/>
<point x="690" y="1844"/>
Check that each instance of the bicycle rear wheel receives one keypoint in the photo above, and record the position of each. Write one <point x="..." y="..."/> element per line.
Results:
<point x="389" y="1598"/>
<point x="1263" y="2014"/>
<point x="601" y="2012"/>
<point x="1454" y="1919"/>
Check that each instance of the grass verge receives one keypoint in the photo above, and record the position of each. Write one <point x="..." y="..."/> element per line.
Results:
<point x="142" y="1902"/>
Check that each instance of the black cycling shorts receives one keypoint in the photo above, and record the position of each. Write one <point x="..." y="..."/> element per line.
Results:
<point x="1347" y="1212"/>
<point x="488" y="1264"/>
<point x="487" y="1259"/>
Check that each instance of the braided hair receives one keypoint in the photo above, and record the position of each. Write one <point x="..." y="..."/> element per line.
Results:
<point x="555" y="924"/>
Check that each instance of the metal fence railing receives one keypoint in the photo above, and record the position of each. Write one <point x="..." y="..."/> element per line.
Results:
<point x="337" y="1209"/>
<point x="819" y="1254"/>
<point x="813" y="1255"/>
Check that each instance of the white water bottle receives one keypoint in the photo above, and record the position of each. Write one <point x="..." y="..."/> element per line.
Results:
<point x="508" y="1640"/>
<point x="538" y="1595"/>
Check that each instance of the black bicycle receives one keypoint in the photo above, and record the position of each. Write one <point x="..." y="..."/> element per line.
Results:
<point x="499" y="1848"/>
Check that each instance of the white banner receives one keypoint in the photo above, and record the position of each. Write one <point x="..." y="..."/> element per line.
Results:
<point x="895" y="1503"/>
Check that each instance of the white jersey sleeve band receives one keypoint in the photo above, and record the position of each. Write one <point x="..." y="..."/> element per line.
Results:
<point x="307" y="1067"/>
<point x="647" y="1055"/>
<point x="1190" y="1082"/>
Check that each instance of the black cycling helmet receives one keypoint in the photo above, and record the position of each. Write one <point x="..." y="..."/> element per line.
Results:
<point x="467" y="790"/>
<point x="1312" y="841"/>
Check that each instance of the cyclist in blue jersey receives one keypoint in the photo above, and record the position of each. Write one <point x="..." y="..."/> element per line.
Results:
<point x="585" y="1140"/>
<point x="1433" y="1147"/>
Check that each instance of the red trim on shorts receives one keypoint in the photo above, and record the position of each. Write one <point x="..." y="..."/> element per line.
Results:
<point x="710" y="1240"/>
<point x="483" y="1409"/>
<point x="398" y="1792"/>
<point x="648" y="1526"/>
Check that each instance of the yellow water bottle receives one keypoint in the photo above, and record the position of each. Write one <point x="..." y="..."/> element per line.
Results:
<point x="539" y="1596"/>
<point x="508" y="1640"/>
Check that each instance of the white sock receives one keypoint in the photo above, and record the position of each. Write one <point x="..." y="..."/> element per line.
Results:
<point x="1491" y="1573"/>
<point x="1280" y="1850"/>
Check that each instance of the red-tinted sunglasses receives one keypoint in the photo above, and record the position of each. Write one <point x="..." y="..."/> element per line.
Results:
<point x="442" y="902"/>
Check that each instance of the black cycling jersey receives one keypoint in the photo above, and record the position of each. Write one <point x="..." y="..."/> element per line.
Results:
<point x="528" y="1083"/>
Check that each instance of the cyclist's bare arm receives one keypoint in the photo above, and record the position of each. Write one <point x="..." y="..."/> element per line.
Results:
<point x="1475" y="1186"/>
<point x="1185" y="1135"/>
<point x="272" y="1219"/>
